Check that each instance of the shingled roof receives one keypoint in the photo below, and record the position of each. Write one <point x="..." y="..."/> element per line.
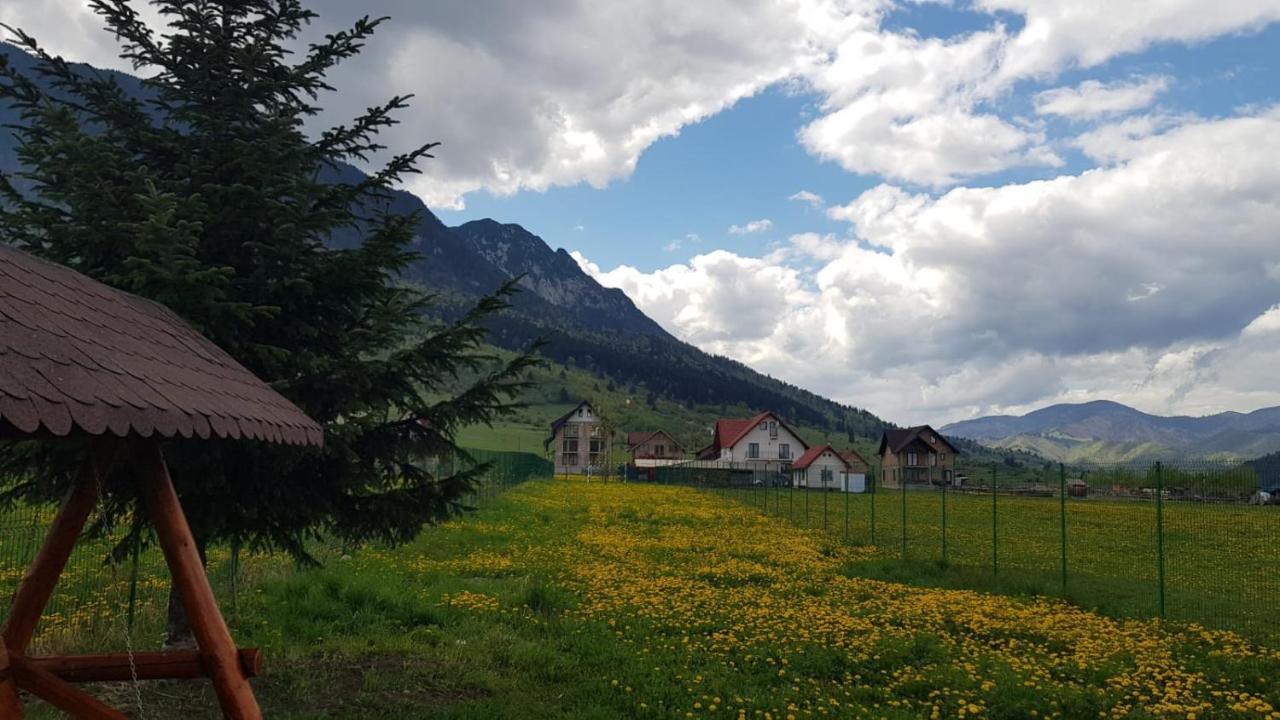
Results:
<point x="897" y="438"/>
<point x="79" y="356"/>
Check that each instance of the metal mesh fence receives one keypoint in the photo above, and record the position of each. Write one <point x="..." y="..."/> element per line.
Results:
<point x="1193" y="541"/>
<point x="98" y="603"/>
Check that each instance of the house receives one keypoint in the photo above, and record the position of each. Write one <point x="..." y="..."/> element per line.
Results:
<point x="579" y="442"/>
<point x="916" y="455"/>
<point x="763" y="442"/>
<point x="651" y="449"/>
<point x="827" y="468"/>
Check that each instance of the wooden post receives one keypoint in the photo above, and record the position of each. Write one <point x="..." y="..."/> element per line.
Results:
<point x="216" y="648"/>
<point x="10" y="706"/>
<point x="123" y="667"/>
<point x="37" y="586"/>
<point x="61" y="694"/>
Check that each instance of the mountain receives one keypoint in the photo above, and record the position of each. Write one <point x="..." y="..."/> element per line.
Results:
<point x="1105" y="431"/>
<point x="586" y="326"/>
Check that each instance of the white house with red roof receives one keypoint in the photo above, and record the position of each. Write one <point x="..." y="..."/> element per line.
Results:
<point x="826" y="468"/>
<point x="765" y="441"/>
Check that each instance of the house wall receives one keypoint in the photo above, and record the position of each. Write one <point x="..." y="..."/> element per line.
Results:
<point x="812" y="476"/>
<point x="649" y="449"/>
<point x="769" y="446"/>
<point x="584" y="423"/>
<point x="941" y="468"/>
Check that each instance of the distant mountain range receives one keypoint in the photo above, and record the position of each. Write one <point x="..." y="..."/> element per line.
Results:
<point x="1104" y="431"/>
<point x="586" y="325"/>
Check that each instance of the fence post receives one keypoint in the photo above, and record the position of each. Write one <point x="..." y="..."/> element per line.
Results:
<point x="995" y="537"/>
<point x="871" y="485"/>
<point x="825" y="493"/>
<point x="846" y="507"/>
<point x="806" y="502"/>
<point x="791" y="504"/>
<point x="133" y="586"/>
<point x="1160" y="533"/>
<point x="944" y="518"/>
<point x="1062" y="504"/>
<point x="902" y="483"/>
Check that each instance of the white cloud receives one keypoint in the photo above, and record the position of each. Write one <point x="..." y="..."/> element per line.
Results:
<point x="1092" y="98"/>
<point x="1142" y="282"/>
<point x="528" y="96"/>
<point x="812" y="199"/>
<point x="1085" y="33"/>
<point x="754" y="226"/>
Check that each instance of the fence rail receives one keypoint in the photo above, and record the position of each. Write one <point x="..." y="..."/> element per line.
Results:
<point x="102" y="604"/>
<point x="1185" y="541"/>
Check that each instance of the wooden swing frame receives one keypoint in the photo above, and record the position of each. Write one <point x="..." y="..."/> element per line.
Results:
<point x="51" y="678"/>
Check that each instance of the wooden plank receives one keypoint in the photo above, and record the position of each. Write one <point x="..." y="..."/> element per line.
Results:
<point x="116" y="667"/>
<point x="61" y="694"/>
<point x="37" y="586"/>
<point x="216" y="648"/>
<point x="10" y="706"/>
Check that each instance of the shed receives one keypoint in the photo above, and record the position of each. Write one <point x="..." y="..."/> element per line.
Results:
<point x="78" y="358"/>
<point x="1077" y="487"/>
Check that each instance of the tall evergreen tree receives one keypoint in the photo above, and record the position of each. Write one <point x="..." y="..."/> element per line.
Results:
<point x="204" y="191"/>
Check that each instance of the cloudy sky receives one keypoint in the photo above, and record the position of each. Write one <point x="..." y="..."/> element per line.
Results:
<point x="934" y="210"/>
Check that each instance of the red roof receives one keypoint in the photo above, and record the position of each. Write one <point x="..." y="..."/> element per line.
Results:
<point x="729" y="431"/>
<point x="812" y="454"/>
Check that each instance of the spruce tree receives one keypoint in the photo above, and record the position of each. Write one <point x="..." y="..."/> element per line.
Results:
<point x="205" y="191"/>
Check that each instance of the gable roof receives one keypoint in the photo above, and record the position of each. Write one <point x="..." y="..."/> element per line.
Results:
<point x="560" y="421"/>
<point x="813" y="453"/>
<point x="896" y="439"/>
<point x="640" y="437"/>
<point x="853" y="458"/>
<point x="729" y="432"/>
<point x="79" y="356"/>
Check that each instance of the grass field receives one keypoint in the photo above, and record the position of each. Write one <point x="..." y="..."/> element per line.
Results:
<point x="1220" y="560"/>
<point x="575" y="600"/>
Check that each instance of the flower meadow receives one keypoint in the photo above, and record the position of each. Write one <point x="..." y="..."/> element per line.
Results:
<point x="733" y="613"/>
<point x="600" y="600"/>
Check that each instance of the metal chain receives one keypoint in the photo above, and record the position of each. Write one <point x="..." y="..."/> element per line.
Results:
<point x="127" y="632"/>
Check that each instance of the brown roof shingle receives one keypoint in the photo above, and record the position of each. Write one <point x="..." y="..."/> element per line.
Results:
<point x="77" y="355"/>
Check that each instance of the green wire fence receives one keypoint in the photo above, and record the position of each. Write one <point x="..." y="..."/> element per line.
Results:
<point x="1193" y="541"/>
<point x="99" y="603"/>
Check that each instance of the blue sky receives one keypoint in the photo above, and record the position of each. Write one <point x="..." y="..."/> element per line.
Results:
<point x="745" y="162"/>
<point x="1022" y="201"/>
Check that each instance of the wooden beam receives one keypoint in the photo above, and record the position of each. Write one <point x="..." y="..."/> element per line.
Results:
<point x="118" y="667"/>
<point x="37" y="586"/>
<point x="61" y="694"/>
<point x="10" y="706"/>
<point x="216" y="648"/>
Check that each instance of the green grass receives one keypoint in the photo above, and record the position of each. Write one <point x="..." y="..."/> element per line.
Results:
<point x="568" y="600"/>
<point x="510" y="438"/>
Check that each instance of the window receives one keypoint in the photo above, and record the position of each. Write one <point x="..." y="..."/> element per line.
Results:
<point x="912" y="458"/>
<point x="942" y="457"/>
<point x="764" y="425"/>
<point x="753" y="450"/>
<point x="773" y="429"/>
<point x="571" y="430"/>
<point x="571" y="445"/>
<point x="933" y="459"/>
<point x="784" y="450"/>
<point x="595" y="445"/>
<point x="579" y="412"/>
<point x="827" y="476"/>
<point x="595" y="431"/>
<point x="571" y="459"/>
<point x="659" y="450"/>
